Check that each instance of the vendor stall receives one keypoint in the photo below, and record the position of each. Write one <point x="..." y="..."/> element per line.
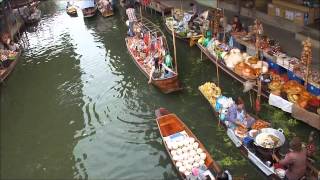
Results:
<point x="259" y="143"/>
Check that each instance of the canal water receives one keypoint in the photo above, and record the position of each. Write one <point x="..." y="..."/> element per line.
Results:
<point x="77" y="106"/>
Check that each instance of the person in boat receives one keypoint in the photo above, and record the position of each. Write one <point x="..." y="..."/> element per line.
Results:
<point x="295" y="161"/>
<point x="258" y="28"/>
<point x="225" y="175"/>
<point x="168" y="65"/>
<point x="155" y="67"/>
<point x="236" y="29"/>
<point x="7" y="44"/>
<point x="130" y="11"/>
<point x="311" y="146"/>
<point x="236" y="25"/>
<point x="237" y="115"/>
<point x="194" y="13"/>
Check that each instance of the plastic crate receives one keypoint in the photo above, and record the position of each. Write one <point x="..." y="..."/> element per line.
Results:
<point x="313" y="89"/>
<point x="292" y="76"/>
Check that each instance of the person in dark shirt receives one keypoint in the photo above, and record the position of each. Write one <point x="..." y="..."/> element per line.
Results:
<point x="236" y="24"/>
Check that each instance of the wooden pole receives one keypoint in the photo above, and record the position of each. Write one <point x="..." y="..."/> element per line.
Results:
<point x="224" y="26"/>
<point x="307" y="76"/>
<point x="217" y="69"/>
<point x="140" y="13"/>
<point x="174" y="47"/>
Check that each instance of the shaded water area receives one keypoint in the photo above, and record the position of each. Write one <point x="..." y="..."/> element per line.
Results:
<point x="77" y="106"/>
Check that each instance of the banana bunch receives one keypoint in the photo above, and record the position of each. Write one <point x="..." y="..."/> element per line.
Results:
<point x="211" y="92"/>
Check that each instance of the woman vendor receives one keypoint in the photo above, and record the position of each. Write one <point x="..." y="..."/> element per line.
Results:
<point x="295" y="161"/>
<point x="236" y="25"/>
<point x="235" y="30"/>
<point x="237" y="116"/>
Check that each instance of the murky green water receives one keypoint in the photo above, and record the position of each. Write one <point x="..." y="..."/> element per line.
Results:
<point x="76" y="106"/>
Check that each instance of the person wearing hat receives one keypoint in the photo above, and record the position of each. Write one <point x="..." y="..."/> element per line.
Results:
<point x="237" y="115"/>
<point x="295" y="161"/>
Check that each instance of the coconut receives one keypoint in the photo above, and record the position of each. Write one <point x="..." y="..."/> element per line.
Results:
<point x="187" y="173"/>
<point x="185" y="149"/>
<point x="189" y="167"/>
<point x="173" y="152"/>
<point x="175" y="157"/>
<point x="182" y="169"/>
<point x="191" y="160"/>
<point x="180" y="143"/>
<point x="195" y="145"/>
<point x="191" y="140"/>
<point x="185" y="162"/>
<point x="203" y="156"/>
<point x="197" y="158"/>
<point x="179" y="164"/>
<point x="196" y="164"/>
<point x="174" y="145"/>
<point x="199" y="151"/>
<point x="193" y="153"/>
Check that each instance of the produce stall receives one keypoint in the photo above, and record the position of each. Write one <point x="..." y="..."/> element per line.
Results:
<point x="243" y="138"/>
<point x="259" y="143"/>
<point x="246" y="68"/>
<point x="281" y="63"/>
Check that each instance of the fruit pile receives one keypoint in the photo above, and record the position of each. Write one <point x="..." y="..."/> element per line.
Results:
<point x="211" y="92"/>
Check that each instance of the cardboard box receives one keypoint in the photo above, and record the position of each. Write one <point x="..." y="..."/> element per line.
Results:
<point x="271" y="10"/>
<point x="298" y="18"/>
<point x="289" y="15"/>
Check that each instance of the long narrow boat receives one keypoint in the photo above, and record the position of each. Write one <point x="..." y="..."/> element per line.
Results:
<point x="88" y="7"/>
<point x="230" y="72"/>
<point x="250" y="151"/>
<point x="165" y="84"/>
<point x="177" y="35"/>
<point x="169" y="126"/>
<point x="5" y="72"/>
<point x="105" y="9"/>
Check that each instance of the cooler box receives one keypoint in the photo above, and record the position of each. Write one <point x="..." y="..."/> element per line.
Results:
<point x="313" y="89"/>
<point x="275" y="67"/>
<point x="292" y="76"/>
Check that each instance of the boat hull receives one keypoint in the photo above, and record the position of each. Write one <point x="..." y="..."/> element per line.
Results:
<point x="169" y="124"/>
<point x="90" y="14"/>
<point x="4" y="73"/>
<point x="166" y="85"/>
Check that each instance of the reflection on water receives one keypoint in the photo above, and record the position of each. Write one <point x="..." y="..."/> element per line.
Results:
<point x="78" y="107"/>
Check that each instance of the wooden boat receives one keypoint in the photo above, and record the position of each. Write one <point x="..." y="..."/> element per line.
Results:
<point x="299" y="113"/>
<point x="177" y="35"/>
<point x="105" y="11"/>
<point x="178" y="14"/>
<point x="230" y="72"/>
<point x="5" y="72"/>
<point x="166" y="85"/>
<point x="169" y="124"/>
<point x="88" y="7"/>
<point x="251" y="153"/>
<point x="72" y="11"/>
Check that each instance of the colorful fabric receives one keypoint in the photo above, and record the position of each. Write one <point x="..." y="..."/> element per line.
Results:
<point x="168" y="61"/>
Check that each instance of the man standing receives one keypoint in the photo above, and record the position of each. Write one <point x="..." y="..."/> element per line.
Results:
<point x="131" y="18"/>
